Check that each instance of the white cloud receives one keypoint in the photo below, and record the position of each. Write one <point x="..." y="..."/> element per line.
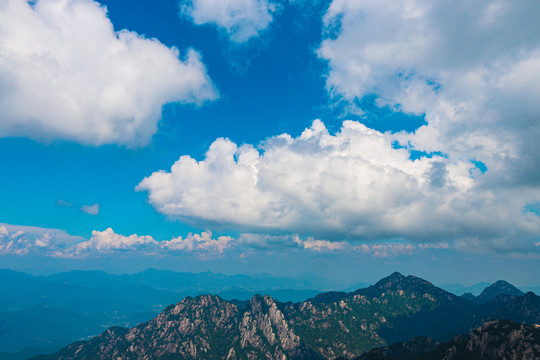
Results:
<point x="472" y="67"/>
<point x="109" y="240"/>
<point x="202" y="242"/>
<point x="67" y="74"/>
<point x="241" y="19"/>
<point x="322" y="245"/>
<point x="353" y="184"/>
<point x="31" y="240"/>
<point x="90" y="209"/>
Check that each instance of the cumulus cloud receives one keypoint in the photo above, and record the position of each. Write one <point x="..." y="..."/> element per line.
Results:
<point x="322" y="245"/>
<point x="31" y="240"/>
<point x="90" y="209"/>
<point x="202" y="242"/>
<point x="107" y="242"/>
<point x="472" y="67"/>
<point x="66" y="74"/>
<point x="240" y="19"/>
<point x="354" y="184"/>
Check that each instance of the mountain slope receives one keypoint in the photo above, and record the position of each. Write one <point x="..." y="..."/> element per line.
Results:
<point x="396" y="308"/>
<point x="520" y="309"/>
<point x="497" y="339"/>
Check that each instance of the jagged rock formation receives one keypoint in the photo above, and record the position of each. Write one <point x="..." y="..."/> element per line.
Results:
<point x="330" y="326"/>
<point x="205" y="327"/>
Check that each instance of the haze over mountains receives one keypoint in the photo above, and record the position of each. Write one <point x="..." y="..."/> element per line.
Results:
<point x="326" y="326"/>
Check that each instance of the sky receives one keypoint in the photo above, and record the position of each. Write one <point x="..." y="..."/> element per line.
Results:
<point x="332" y="139"/>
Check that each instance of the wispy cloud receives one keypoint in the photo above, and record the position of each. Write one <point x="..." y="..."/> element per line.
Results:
<point x="65" y="203"/>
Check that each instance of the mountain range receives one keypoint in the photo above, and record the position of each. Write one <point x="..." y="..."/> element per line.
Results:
<point x="395" y="310"/>
<point x="45" y="313"/>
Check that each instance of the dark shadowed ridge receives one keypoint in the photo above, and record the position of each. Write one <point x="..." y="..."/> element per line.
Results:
<point x="496" y="339"/>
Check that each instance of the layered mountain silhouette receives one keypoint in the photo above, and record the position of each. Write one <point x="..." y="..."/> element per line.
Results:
<point x="329" y="326"/>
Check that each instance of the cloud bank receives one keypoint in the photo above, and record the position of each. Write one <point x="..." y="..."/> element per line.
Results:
<point x="66" y="74"/>
<point x="352" y="185"/>
<point x="30" y="240"/>
<point x="240" y="19"/>
<point x="54" y="243"/>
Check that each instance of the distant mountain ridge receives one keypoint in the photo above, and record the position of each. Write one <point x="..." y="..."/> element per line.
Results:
<point x="327" y="326"/>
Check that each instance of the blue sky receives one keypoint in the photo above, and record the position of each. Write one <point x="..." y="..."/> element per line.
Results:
<point x="423" y="154"/>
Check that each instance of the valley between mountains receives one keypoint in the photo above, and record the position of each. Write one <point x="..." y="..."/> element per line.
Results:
<point x="400" y="317"/>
